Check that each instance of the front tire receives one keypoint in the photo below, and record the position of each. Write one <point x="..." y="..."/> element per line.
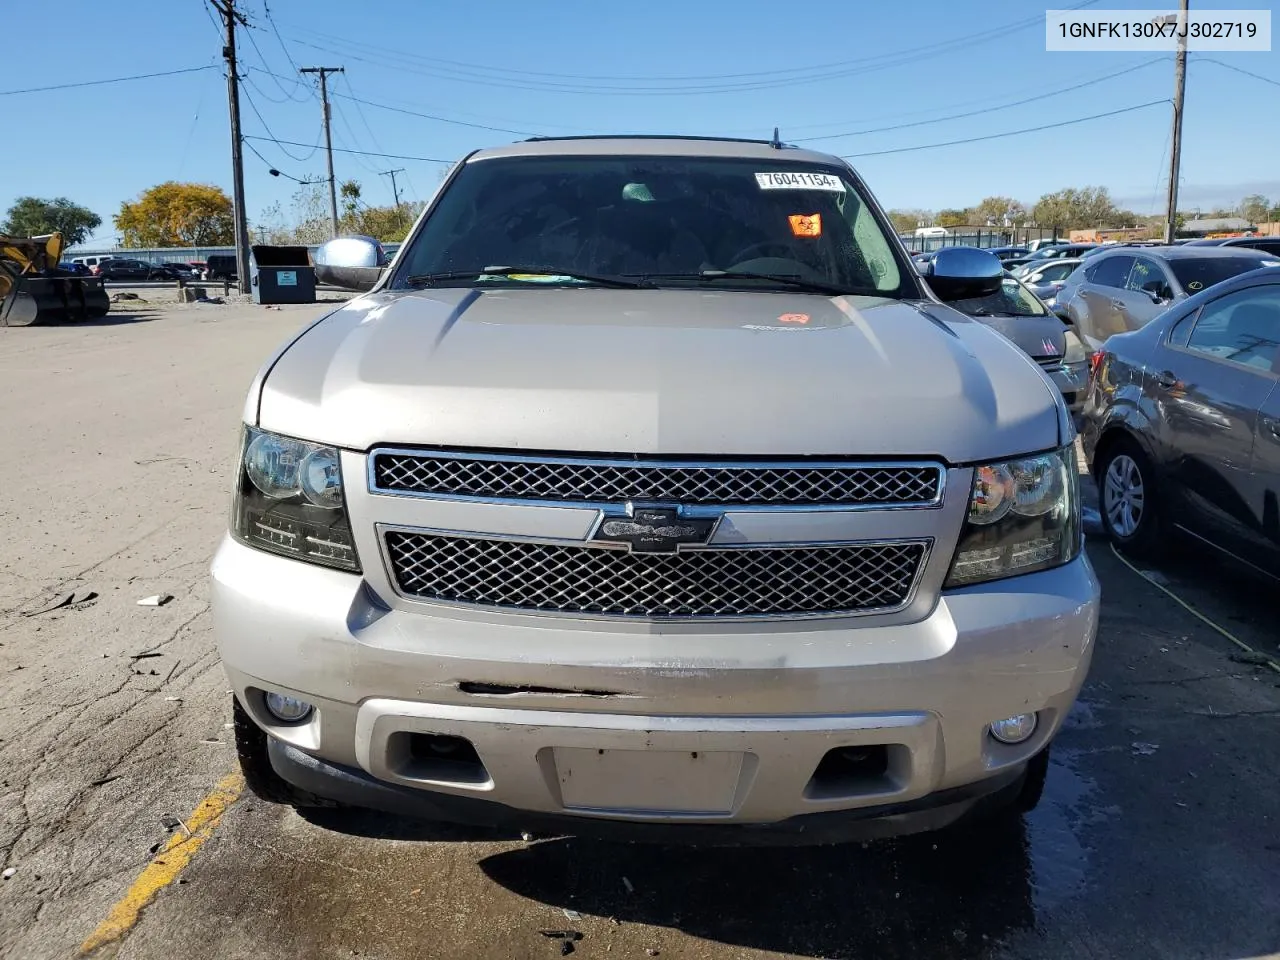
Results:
<point x="1127" y="498"/>
<point x="255" y="764"/>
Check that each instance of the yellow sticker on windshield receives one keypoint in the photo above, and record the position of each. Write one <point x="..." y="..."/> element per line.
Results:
<point x="806" y="224"/>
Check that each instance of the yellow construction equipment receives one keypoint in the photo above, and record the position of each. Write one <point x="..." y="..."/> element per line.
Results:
<point x="34" y="289"/>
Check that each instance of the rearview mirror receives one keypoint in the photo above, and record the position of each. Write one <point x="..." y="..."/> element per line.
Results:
<point x="960" y="273"/>
<point x="352" y="263"/>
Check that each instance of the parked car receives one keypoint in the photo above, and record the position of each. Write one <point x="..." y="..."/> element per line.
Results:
<point x="1008" y="253"/>
<point x="220" y="266"/>
<point x="173" y="271"/>
<point x="1035" y="245"/>
<point x="1045" y="281"/>
<point x="1056" y="252"/>
<point x="91" y="263"/>
<point x="1265" y="244"/>
<point x="1018" y="314"/>
<point x="123" y="268"/>
<point x="1182" y="425"/>
<point x="701" y="511"/>
<point x="75" y="266"/>
<point x="1125" y="289"/>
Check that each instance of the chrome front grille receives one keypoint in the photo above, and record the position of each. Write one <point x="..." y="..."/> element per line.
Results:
<point x="817" y="580"/>
<point x="572" y="480"/>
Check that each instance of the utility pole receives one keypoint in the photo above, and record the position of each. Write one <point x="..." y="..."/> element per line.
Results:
<point x="328" y="142"/>
<point x="231" y="17"/>
<point x="394" y="191"/>
<point x="1175" y="141"/>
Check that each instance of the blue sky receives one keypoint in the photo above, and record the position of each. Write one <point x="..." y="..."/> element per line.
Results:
<point x="594" y="67"/>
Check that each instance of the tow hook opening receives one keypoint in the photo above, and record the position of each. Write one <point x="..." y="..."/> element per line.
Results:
<point x="436" y="757"/>
<point x="853" y="772"/>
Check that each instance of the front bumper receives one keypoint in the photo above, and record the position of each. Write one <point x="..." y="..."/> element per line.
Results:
<point x="670" y="724"/>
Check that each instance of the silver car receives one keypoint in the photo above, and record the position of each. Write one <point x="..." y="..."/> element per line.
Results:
<point x="1045" y="281"/>
<point x="650" y="490"/>
<point x="1126" y="288"/>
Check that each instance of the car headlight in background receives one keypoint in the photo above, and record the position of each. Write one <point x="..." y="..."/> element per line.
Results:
<point x="1076" y="353"/>
<point x="289" y="500"/>
<point x="1024" y="516"/>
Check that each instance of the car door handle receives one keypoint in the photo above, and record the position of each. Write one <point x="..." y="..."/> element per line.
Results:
<point x="1118" y="304"/>
<point x="1165" y="379"/>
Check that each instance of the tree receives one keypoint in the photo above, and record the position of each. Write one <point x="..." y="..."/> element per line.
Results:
<point x="1074" y="208"/>
<point x="34" y="217"/>
<point x="906" y="221"/>
<point x="951" y="218"/>
<point x="1255" y="208"/>
<point x="996" y="210"/>
<point x="350" y="192"/>
<point x="1274" y="213"/>
<point x="177" y="215"/>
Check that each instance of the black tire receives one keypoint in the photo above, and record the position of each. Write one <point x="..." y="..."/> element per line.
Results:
<point x="1033" y="786"/>
<point x="259" y="776"/>
<point x="1144" y="538"/>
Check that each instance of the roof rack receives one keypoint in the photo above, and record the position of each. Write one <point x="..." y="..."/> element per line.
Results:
<point x="659" y="136"/>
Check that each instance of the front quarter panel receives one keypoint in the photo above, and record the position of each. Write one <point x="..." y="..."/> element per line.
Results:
<point x="1118" y="399"/>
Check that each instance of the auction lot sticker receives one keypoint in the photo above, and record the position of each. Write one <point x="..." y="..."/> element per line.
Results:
<point x="800" y="181"/>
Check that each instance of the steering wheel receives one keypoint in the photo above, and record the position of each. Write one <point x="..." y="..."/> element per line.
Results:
<point x="761" y="247"/>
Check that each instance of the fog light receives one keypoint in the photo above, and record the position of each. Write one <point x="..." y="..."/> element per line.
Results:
<point x="1014" y="729"/>
<point x="287" y="709"/>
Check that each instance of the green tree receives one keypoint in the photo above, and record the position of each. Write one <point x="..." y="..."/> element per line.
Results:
<point x="1255" y="208"/>
<point x="995" y="210"/>
<point x="177" y="215"/>
<point x="35" y="217"/>
<point x="349" y="191"/>
<point x="951" y="218"/>
<point x="1075" y="208"/>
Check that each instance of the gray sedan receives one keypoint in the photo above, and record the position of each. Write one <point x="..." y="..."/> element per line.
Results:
<point x="1127" y="288"/>
<point x="1181" y="425"/>
<point x="1045" y="281"/>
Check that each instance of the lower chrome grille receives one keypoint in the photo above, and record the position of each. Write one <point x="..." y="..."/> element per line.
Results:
<point x="756" y="582"/>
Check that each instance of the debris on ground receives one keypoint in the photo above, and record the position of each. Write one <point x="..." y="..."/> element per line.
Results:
<point x="650" y="951"/>
<point x="526" y="837"/>
<point x="157" y="600"/>
<point x="567" y="939"/>
<point x="124" y="295"/>
<point x="103" y="781"/>
<point x="627" y="883"/>
<point x="9" y="872"/>
<point x="169" y="821"/>
<point x="1144" y="749"/>
<point x="1252" y="659"/>
<point x="571" y="914"/>
<point x="71" y="599"/>
<point x="146" y="655"/>
<point x="214" y="300"/>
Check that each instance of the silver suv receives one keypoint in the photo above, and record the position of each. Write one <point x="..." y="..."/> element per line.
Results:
<point x="650" y="490"/>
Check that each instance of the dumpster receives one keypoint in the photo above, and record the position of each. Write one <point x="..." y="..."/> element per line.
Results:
<point x="283" y="275"/>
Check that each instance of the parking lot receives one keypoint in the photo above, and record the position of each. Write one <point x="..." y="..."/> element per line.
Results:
<point x="1159" y="835"/>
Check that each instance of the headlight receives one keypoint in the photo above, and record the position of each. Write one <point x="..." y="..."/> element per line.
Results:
<point x="1024" y="515"/>
<point x="289" y="500"/>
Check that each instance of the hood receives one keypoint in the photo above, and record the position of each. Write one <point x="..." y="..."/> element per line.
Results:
<point x="1041" y="338"/>
<point x="659" y="372"/>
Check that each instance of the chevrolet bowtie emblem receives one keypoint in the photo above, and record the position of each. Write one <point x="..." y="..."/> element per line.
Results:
<point x="655" y="529"/>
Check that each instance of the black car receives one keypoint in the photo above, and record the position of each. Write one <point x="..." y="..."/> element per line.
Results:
<point x="119" y="268"/>
<point x="220" y="266"/>
<point x="172" y="271"/>
<point x="1265" y="244"/>
<point x="1181" y="425"/>
<point x="79" y="269"/>
<point x="1009" y="253"/>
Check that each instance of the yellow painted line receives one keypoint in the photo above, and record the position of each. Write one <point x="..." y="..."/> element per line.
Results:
<point x="1271" y="661"/>
<point x="167" y="863"/>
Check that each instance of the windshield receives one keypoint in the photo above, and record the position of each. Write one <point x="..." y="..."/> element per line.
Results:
<point x="667" y="221"/>
<point x="1195" y="275"/>
<point x="1013" y="300"/>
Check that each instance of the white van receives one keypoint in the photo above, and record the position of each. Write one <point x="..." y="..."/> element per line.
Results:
<point x="932" y="232"/>
<point x="91" y="262"/>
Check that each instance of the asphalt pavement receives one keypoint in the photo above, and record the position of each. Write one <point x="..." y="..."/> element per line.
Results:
<point x="124" y="827"/>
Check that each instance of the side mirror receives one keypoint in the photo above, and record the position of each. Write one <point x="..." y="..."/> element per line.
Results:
<point x="352" y="263"/>
<point x="960" y="273"/>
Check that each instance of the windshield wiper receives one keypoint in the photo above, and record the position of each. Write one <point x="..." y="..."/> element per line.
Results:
<point x="430" y="279"/>
<point x="789" y="279"/>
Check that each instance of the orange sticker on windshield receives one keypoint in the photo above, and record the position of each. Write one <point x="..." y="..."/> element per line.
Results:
<point x="794" y="318"/>
<point x="806" y="224"/>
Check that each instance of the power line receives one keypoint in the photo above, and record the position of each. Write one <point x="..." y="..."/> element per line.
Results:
<point x="98" y="83"/>
<point x="257" y="113"/>
<point x="430" y="116"/>
<point x="373" y="139"/>
<point x="271" y="168"/>
<point x="975" y="113"/>
<point x="1231" y="66"/>
<point x="364" y="153"/>
<point x="1007" y="133"/>
<point x="266" y="9"/>
<point x="289" y="97"/>
<point x="782" y="77"/>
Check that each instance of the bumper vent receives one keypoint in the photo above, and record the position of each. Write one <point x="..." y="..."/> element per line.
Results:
<point x="488" y="476"/>
<point x="734" y="583"/>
